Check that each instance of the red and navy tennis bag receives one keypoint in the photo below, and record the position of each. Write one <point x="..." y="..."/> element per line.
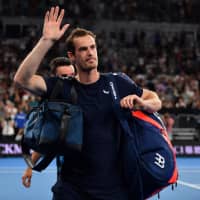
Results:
<point x="148" y="158"/>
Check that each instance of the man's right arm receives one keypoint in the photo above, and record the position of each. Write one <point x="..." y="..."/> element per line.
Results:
<point x="26" y="74"/>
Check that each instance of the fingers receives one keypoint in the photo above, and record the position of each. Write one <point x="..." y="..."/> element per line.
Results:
<point x="46" y="18"/>
<point x="56" y="11"/>
<point x="26" y="180"/>
<point x="64" y="28"/>
<point x="60" y="17"/>
<point x="52" y="29"/>
<point x="130" y="101"/>
<point x="53" y="14"/>
<point x="127" y="102"/>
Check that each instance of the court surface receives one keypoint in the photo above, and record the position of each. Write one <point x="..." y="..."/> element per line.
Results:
<point x="11" y="188"/>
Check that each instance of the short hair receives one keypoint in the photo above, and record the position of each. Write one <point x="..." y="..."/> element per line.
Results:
<point x="77" y="32"/>
<point x="58" y="61"/>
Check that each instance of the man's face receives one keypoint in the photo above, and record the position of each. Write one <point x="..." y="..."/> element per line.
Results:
<point x="65" y="71"/>
<point x="85" y="56"/>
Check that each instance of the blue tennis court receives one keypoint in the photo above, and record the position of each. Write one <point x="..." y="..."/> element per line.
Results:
<point x="11" y="170"/>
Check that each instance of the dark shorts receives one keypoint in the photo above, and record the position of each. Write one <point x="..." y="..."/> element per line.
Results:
<point x="66" y="191"/>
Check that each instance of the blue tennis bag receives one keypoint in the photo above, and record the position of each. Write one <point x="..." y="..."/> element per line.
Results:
<point x="147" y="155"/>
<point x="149" y="161"/>
<point x="52" y="128"/>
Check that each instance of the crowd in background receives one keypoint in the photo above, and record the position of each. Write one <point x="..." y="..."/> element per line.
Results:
<point x="151" y="10"/>
<point x="168" y="63"/>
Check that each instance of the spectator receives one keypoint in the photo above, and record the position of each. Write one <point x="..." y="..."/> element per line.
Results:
<point x="20" y="120"/>
<point x="8" y="130"/>
<point x="169" y="123"/>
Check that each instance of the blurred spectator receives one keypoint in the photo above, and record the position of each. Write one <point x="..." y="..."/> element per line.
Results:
<point x="7" y="131"/>
<point x="164" y="60"/>
<point x="10" y="109"/>
<point x="169" y="123"/>
<point x="20" y="120"/>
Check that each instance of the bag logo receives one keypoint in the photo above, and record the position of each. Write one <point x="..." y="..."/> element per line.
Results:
<point x="159" y="160"/>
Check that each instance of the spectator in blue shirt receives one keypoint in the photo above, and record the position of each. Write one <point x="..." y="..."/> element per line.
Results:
<point x="19" y="121"/>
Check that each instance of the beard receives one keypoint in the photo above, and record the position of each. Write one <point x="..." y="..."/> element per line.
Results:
<point x="87" y="68"/>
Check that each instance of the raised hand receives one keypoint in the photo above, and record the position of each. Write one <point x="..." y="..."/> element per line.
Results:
<point x="52" y="29"/>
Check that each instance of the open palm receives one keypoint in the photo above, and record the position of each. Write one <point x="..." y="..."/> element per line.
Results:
<point x="52" y="29"/>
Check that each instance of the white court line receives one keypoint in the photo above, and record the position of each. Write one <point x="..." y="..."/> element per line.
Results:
<point x="189" y="184"/>
<point x="189" y="171"/>
<point x="16" y="170"/>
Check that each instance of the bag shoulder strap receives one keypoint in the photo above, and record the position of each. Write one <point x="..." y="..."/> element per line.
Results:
<point x="73" y="92"/>
<point x="59" y="86"/>
<point x="56" y="88"/>
<point x="116" y="102"/>
<point x="124" y="122"/>
<point x="41" y="164"/>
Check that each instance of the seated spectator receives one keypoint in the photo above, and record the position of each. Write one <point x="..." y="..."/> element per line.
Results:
<point x="169" y="123"/>
<point x="20" y="119"/>
<point x="8" y="130"/>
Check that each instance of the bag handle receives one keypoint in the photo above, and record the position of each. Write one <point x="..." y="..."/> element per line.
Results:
<point x="56" y="88"/>
<point x="59" y="85"/>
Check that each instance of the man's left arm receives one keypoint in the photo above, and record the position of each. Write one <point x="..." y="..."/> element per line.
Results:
<point x="149" y="101"/>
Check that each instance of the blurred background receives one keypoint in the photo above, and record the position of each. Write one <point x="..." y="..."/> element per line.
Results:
<point x="157" y="43"/>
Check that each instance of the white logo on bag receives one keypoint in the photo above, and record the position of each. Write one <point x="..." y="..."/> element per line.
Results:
<point x="159" y="160"/>
<point x="106" y="91"/>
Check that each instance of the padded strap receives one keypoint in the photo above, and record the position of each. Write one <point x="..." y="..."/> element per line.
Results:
<point x="41" y="164"/>
<point x="56" y="89"/>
